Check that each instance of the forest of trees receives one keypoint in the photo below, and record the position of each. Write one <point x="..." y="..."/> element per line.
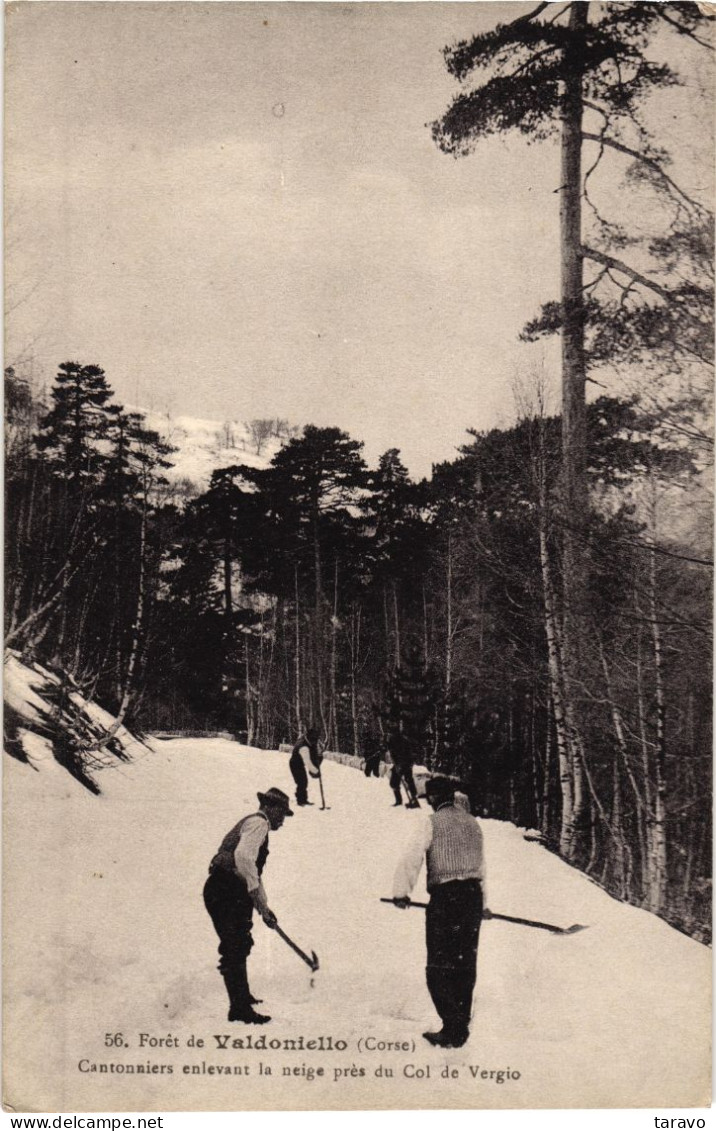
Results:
<point x="318" y="590"/>
<point x="536" y="615"/>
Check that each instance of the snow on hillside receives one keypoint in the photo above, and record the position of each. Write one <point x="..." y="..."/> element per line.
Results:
<point x="106" y="933"/>
<point x="49" y="725"/>
<point x="203" y="446"/>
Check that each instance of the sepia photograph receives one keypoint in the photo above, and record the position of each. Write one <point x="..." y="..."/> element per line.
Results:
<point x="358" y="557"/>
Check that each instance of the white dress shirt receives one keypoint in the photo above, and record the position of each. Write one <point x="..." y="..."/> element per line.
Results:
<point x="408" y="869"/>
<point x="253" y="834"/>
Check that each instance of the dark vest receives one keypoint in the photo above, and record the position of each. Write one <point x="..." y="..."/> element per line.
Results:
<point x="225" y="856"/>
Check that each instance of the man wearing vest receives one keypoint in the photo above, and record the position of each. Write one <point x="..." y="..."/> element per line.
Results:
<point x="234" y="889"/>
<point x="451" y="843"/>
<point x="305" y="761"/>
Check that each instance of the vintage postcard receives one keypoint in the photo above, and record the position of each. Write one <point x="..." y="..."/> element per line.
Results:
<point x="358" y="556"/>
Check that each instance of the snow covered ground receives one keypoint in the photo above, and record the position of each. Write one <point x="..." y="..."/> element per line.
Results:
<point x="106" y="933"/>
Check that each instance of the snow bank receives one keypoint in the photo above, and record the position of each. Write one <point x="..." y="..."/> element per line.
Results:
<point x="53" y="728"/>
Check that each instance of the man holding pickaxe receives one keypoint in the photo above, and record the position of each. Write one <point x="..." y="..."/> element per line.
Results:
<point x="234" y="889"/>
<point x="451" y="843"/>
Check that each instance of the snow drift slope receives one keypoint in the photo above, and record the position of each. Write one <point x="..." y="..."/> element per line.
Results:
<point x="49" y="725"/>
<point x="106" y="933"/>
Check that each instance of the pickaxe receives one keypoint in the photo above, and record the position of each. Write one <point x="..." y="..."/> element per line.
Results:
<point x="312" y="961"/>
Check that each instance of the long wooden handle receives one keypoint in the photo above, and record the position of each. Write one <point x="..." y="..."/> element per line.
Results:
<point x="312" y="961"/>
<point x="512" y="919"/>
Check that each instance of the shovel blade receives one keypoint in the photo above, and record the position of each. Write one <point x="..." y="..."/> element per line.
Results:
<point x="314" y="961"/>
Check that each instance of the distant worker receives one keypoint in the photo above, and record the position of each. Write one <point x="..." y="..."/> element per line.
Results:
<point x="372" y="750"/>
<point x="451" y="843"/>
<point x="305" y="763"/>
<point x="402" y="771"/>
<point x="232" y="892"/>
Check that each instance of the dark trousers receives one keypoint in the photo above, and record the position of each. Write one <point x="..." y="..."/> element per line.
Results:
<point x="298" y="769"/>
<point x="452" y="931"/>
<point x="403" y="771"/>
<point x="227" y="901"/>
<point x="372" y="766"/>
<point x="407" y="774"/>
<point x="231" y="910"/>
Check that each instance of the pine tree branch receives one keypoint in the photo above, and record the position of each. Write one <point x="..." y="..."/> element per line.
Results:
<point x="683" y="30"/>
<point x="602" y="141"/>
<point x="559" y="14"/>
<point x="665" y="553"/>
<point x="635" y="276"/>
<point x="522" y="20"/>
<point x="532" y="60"/>
<point x="463" y="57"/>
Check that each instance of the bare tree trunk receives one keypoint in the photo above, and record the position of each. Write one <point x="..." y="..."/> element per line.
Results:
<point x="510" y="745"/>
<point x="554" y="664"/>
<point x="228" y="612"/>
<point x="25" y="525"/>
<point x="618" y="724"/>
<point x="266" y="713"/>
<point x="136" y="637"/>
<point x="534" y="760"/>
<point x="332" y="729"/>
<point x="646" y="744"/>
<point x="397" y="625"/>
<point x="624" y="862"/>
<point x="354" y="644"/>
<point x="574" y="477"/>
<point x="318" y="690"/>
<point x="299" y="715"/>
<point x="449" y="619"/>
<point x="658" y="857"/>
<point x="386" y="621"/>
<point x="545" y="814"/>
<point x="426" y="645"/>
<point x="249" y="697"/>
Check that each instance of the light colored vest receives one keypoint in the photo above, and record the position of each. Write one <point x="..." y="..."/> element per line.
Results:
<point x="456" y="849"/>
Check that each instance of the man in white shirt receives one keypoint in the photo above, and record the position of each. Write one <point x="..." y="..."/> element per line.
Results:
<point x="234" y="889"/>
<point x="451" y="844"/>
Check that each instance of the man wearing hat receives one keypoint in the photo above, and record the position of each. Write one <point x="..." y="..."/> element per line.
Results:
<point x="451" y="844"/>
<point x="234" y="889"/>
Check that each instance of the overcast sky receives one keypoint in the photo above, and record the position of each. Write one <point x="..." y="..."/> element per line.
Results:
<point x="238" y="211"/>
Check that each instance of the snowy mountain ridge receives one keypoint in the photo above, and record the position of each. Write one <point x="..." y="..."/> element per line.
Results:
<point x="204" y="446"/>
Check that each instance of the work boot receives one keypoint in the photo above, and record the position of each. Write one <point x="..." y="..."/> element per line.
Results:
<point x="398" y="802"/>
<point x="413" y="803"/>
<point x="447" y="1040"/>
<point x="249" y="1016"/>
<point x="241" y="1000"/>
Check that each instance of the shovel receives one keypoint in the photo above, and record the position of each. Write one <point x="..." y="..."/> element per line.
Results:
<point x="513" y="919"/>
